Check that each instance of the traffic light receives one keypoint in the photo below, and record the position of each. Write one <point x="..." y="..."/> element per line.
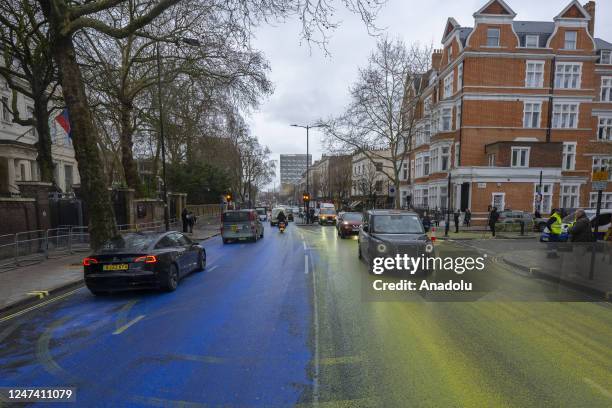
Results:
<point x="228" y="197"/>
<point x="306" y="197"/>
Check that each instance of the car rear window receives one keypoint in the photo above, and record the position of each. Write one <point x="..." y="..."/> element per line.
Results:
<point x="397" y="224"/>
<point x="328" y="211"/>
<point x="352" y="217"/>
<point x="130" y="242"/>
<point x="261" y="211"/>
<point x="235" y="216"/>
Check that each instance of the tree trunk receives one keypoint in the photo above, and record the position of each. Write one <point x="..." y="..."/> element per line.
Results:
<point x="127" y="147"/>
<point x="84" y="138"/>
<point x="44" y="158"/>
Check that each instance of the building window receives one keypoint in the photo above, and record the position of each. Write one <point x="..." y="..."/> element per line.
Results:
<point x="498" y="200"/>
<point x="569" y="156"/>
<point x="606" y="57"/>
<point x="604" y="131"/>
<point x="405" y="171"/>
<point x="6" y="114"/>
<point x="449" y="53"/>
<point x="458" y="116"/>
<point x="603" y="163"/>
<point x="434" y="154"/>
<point x="546" y="202"/>
<point x="460" y="76"/>
<point x="379" y="166"/>
<point x="491" y="158"/>
<point x="426" y="165"/>
<point x="427" y="105"/>
<point x="447" y="117"/>
<point x="457" y="150"/>
<point x="412" y="172"/>
<point x="532" y="41"/>
<point x="606" y="89"/>
<point x="570" y="195"/>
<point x="531" y="115"/>
<point x="448" y="85"/>
<point x="520" y="157"/>
<point x="493" y="37"/>
<point x="419" y="167"/>
<point x="534" y="77"/>
<point x="570" y="40"/>
<point x="444" y="158"/>
<point x="606" y="200"/>
<point x="565" y="115"/>
<point x="567" y="75"/>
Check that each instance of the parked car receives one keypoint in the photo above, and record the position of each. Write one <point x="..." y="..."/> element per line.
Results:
<point x="262" y="213"/>
<point x="289" y="214"/>
<point x="349" y="223"/>
<point x="142" y="260"/>
<point x="510" y="220"/>
<point x="386" y="233"/>
<point x="241" y="225"/>
<point x="327" y="215"/>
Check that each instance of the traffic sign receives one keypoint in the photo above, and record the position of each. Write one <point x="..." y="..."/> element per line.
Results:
<point x="599" y="185"/>
<point x="600" y="176"/>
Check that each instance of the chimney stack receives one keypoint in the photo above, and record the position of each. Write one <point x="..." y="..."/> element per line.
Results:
<point x="590" y="8"/>
<point x="436" y="59"/>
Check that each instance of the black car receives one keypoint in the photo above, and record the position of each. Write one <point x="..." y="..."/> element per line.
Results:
<point x="148" y="260"/>
<point x="386" y="233"/>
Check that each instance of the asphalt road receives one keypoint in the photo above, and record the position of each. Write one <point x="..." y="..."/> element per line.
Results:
<point x="290" y="321"/>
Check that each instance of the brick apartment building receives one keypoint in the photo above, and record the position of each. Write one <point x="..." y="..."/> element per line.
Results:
<point x="507" y="102"/>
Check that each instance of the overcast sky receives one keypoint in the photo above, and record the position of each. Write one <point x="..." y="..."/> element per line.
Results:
<point x="310" y="84"/>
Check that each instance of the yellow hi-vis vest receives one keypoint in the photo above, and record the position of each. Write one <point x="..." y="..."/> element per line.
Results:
<point x="556" y="227"/>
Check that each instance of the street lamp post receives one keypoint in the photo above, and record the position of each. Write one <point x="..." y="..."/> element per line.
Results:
<point x="308" y="127"/>
<point x="162" y="138"/>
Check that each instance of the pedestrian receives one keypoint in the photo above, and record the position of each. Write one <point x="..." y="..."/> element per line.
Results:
<point x="191" y="220"/>
<point x="311" y="213"/>
<point x="426" y="222"/>
<point x="184" y="218"/>
<point x="437" y="217"/>
<point x="456" y="218"/>
<point x="467" y="218"/>
<point x="581" y="231"/>
<point x="554" y="225"/>
<point x="493" y="217"/>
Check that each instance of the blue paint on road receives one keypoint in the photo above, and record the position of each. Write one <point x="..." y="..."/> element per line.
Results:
<point x="237" y="335"/>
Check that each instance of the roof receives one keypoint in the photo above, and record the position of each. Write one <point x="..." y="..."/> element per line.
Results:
<point x="602" y="45"/>
<point x="543" y="29"/>
<point x="464" y="32"/>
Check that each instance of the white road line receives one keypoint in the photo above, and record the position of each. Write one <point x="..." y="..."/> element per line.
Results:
<point x="212" y="268"/>
<point x="305" y="247"/>
<point x="306" y="264"/>
<point x="127" y="325"/>
<point x="598" y="387"/>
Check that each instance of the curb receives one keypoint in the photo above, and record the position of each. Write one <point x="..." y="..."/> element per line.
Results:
<point x="555" y="279"/>
<point x="499" y="237"/>
<point x="31" y="301"/>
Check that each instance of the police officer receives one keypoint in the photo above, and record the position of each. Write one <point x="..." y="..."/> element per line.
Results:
<point x="554" y="225"/>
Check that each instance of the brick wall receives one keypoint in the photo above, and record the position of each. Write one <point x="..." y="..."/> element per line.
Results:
<point x="18" y="214"/>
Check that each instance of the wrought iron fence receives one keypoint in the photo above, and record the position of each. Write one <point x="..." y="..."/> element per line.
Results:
<point x="28" y="247"/>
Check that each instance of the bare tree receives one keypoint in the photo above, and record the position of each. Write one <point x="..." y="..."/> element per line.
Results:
<point x="29" y="70"/>
<point x="380" y="116"/>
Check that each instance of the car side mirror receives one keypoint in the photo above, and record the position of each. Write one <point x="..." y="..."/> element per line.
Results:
<point x="365" y="228"/>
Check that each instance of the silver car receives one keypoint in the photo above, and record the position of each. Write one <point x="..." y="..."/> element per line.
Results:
<point x="386" y="233"/>
<point x="238" y="225"/>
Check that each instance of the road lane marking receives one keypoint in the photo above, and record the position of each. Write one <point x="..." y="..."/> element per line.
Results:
<point x="598" y="387"/>
<point x="44" y="356"/>
<point x="123" y="314"/>
<point x="305" y="247"/>
<point x="167" y="403"/>
<point x="306" y="264"/>
<point x="127" y="325"/>
<point x="40" y="293"/>
<point x="38" y="305"/>
<point x="212" y="268"/>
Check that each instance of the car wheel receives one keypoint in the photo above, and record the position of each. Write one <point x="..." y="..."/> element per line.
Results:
<point x="255" y="237"/>
<point x="225" y="240"/>
<point x="359" y="254"/>
<point x="201" y="262"/>
<point x="262" y="232"/>
<point x="342" y="235"/>
<point x="98" y="292"/>
<point x="171" y="279"/>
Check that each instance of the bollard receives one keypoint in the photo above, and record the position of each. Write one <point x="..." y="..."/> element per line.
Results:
<point x="522" y="228"/>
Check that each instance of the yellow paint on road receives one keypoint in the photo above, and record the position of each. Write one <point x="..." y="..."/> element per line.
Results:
<point x="128" y="325"/>
<point x="340" y="360"/>
<point x="38" y="305"/>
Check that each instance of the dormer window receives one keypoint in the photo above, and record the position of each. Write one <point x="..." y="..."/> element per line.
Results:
<point x="493" y="37"/>
<point x="606" y="57"/>
<point x="532" y="41"/>
<point x="570" y="40"/>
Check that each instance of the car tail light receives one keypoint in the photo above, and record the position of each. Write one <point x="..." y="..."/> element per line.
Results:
<point x="251" y="216"/>
<point x="146" y="259"/>
<point x="89" y="261"/>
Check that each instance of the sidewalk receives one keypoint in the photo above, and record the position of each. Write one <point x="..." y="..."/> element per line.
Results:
<point x="463" y="235"/>
<point x="571" y="267"/>
<point x="28" y="284"/>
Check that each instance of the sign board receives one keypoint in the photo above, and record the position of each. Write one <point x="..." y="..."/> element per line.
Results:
<point x="482" y="185"/>
<point x="599" y="185"/>
<point x="600" y="176"/>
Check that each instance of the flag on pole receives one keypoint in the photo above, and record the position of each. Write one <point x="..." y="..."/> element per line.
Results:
<point x="64" y="121"/>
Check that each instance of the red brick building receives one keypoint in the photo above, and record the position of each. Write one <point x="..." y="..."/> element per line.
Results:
<point x="507" y="102"/>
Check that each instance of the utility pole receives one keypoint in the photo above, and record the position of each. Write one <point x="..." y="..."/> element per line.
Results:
<point x="308" y="127"/>
<point x="450" y="205"/>
<point x="162" y="139"/>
